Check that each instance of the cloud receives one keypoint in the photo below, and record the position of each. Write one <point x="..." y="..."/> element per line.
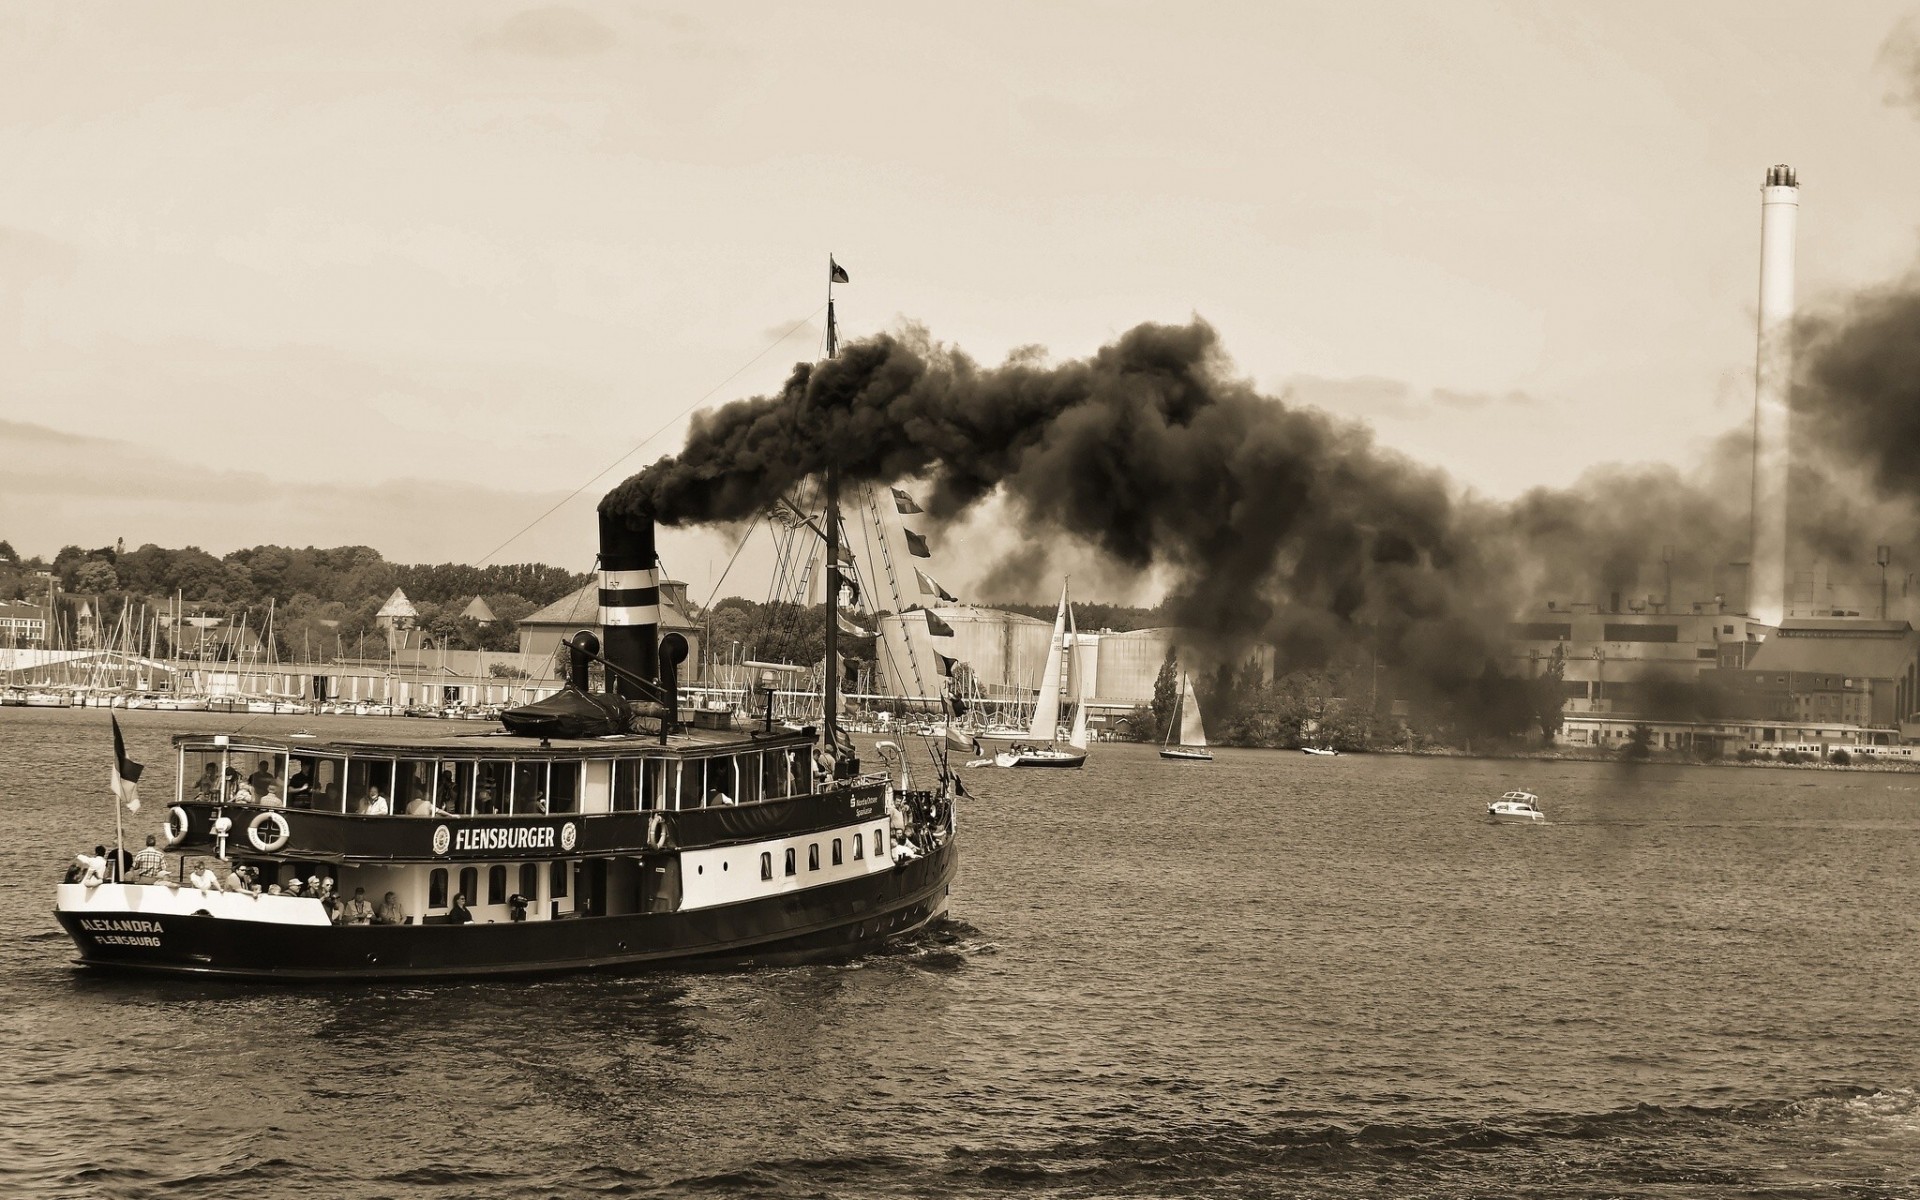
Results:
<point x="1448" y="398"/>
<point x="1360" y="396"/>
<point x="67" y="488"/>
<point x="553" y="32"/>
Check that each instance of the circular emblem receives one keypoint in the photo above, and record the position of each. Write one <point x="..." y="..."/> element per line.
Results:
<point x="568" y="836"/>
<point x="441" y="839"/>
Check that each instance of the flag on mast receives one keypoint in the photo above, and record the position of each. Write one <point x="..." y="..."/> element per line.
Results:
<point x="917" y="545"/>
<point x="126" y="772"/>
<point x="904" y="503"/>
<point x="931" y="587"/>
<point x="835" y="272"/>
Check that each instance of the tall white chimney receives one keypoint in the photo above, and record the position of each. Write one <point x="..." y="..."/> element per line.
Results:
<point x="1779" y="213"/>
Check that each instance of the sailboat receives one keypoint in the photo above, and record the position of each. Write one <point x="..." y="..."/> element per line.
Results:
<point x="1192" y="746"/>
<point x="1042" y="748"/>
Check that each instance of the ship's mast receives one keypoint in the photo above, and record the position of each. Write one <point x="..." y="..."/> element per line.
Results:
<point x="830" y="696"/>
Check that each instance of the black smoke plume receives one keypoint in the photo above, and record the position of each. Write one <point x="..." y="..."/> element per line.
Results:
<point x="1276" y="524"/>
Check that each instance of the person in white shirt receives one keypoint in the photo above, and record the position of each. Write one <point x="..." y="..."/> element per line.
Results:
<point x="270" y="798"/>
<point x="204" y="879"/>
<point x="376" y="804"/>
<point x="420" y="806"/>
<point x="93" y="867"/>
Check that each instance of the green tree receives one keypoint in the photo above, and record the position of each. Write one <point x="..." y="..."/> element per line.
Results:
<point x="1166" y="690"/>
<point x="95" y="577"/>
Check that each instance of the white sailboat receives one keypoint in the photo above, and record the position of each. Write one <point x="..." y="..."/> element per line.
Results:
<point x="1192" y="746"/>
<point x="1043" y="748"/>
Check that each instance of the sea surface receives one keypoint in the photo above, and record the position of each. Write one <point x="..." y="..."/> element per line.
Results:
<point x="1274" y="975"/>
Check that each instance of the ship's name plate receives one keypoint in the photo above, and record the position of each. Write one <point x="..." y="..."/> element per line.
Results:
<point x="480" y="839"/>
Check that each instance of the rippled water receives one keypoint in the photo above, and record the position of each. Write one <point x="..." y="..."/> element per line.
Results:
<point x="1274" y="975"/>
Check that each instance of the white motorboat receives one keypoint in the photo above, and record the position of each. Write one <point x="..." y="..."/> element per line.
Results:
<point x="1323" y="751"/>
<point x="1516" y="806"/>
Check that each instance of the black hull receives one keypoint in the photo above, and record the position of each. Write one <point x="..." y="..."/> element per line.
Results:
<point x="827" y="921"/>
<point x="1058" y="764"/>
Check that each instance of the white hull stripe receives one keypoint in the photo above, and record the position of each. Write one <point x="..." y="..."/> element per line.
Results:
<point x="638" y="614"/>
<point x="622" y="580"/>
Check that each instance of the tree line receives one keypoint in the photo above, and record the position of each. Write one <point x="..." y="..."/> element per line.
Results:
<point x="324" y="600"/>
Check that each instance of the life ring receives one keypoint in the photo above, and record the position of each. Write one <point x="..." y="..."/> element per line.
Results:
<point x="657" y="831"/>
<point x="282" y="831"/>
<point x="177" y="826"/>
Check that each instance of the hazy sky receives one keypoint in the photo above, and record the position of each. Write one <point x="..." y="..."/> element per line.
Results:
<point x="405" y="274"/>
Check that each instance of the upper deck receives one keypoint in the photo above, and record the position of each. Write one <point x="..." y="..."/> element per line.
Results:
<point x="402" y="798"/>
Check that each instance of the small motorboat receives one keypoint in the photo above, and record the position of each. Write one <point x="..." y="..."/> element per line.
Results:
<point x="1323" y="751"/>
<point x="1516" y="806"/>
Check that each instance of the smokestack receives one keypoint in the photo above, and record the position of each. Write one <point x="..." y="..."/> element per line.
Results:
<point x="629" y="600"/>
<point x="1779" y="214"/>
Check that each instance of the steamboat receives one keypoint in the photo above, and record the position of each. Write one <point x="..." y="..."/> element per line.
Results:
<point x="602" y="827"/>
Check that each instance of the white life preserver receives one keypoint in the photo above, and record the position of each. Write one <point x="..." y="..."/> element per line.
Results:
<point x="282" y="831"/>
<point x="177" y="825"/>
<point x="657" y="831"/>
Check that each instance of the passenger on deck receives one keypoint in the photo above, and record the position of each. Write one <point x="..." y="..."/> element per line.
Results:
<point x="375" y="805"/>
<point x="293" y="887"/>
<point x="716" y="797"/>
<point x="205" y="879"/>
<point x="299" y="788"/>
<point x="242" y="793"/>
<point x="420" y="806"/>
<point x="270" y="798"/>
<point x="207" y="787"/>
<point x="359" y="910"/>
<point x="150" y="866"/>
<point x="390" y="912"/>
<point x="487" y="805"/>
<point x="261" y="777"/>
<point x="93" y="867"/>
<point x="237" y="880"/>
<point x="457" y="913"/>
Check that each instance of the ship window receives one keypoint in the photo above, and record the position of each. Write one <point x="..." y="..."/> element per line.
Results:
<point x="799" y="773"/>
<point x="563" y="787"/>
<point x="880" y="841"/>
<point x="202" y="773"/>
<point x="813" y="857"/>
<point x="626" y="785"/>
<point x="773" y="768"/>
<point x="529" y="788"/>
<point x="437" y="888"/>
<point x="316" y="784"/>
<point x="412" y="780"/>
<point x="497" y="884"/>
<point x="859" y="847"/>
<point x="470" y="884"/>
<point x="656" y="780"/>
<point x="557" y="880"/>
<point x="789" y="860"/>
<point x="693" y="783"/>
<point x="747" y="777"/>
<point x="453" y="790"/>
<point x="766" y="864"/>
<point x="493" y="792"/>
<point x="836" y="852"/>
<point x="364" y="776"/>
<point x="530" y="881"/>
<point x="720" y="780"/>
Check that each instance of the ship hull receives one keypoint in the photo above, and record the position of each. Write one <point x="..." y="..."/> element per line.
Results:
<point x="828" y="921"/>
